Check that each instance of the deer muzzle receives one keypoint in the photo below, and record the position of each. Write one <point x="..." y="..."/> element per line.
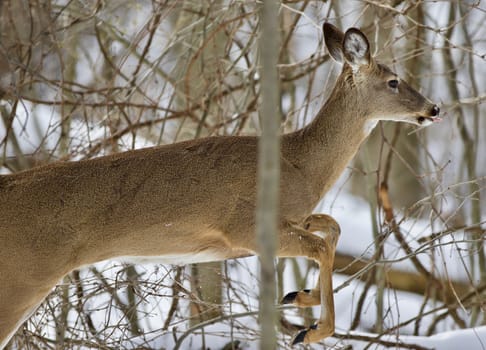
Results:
<point x="433" y="117"/>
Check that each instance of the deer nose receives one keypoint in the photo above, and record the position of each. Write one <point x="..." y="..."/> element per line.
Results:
<point x="435" y="111"/>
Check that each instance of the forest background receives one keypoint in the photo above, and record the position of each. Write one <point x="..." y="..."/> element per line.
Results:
<point x="81" y="79"/>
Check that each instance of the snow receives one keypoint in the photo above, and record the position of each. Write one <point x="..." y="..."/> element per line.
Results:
<point x="217" y="336"/>
<point x="467" y="339"/>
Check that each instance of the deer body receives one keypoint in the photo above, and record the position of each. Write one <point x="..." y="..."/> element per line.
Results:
<point x="193" y="201"/>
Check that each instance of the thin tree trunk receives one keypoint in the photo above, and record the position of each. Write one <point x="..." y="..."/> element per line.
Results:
<point x="268" y="169"/>
<point x="201" y="60"/>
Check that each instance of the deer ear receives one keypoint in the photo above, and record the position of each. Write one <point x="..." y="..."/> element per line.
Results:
<point x="334" y="38"/>
<point x="356" y="49"/>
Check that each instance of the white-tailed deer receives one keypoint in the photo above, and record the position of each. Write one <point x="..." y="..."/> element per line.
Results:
<point x="194" y="201"/>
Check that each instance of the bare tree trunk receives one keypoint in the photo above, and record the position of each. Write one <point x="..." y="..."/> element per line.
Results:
<point x="198" y="71"/>
<point x="268" y="169"/>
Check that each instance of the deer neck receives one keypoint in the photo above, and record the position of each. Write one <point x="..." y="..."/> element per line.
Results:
<point x="324" y="147"/>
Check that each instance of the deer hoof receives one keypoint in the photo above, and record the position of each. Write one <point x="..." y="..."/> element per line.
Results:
<point x="299" y="338"/>
<point x="291" y="298"/>
<point x="302" y="298"/>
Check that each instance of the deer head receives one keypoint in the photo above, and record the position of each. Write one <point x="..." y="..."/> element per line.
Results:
<point x="381" y="94"/>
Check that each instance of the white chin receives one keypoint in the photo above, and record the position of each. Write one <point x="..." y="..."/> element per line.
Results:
<point x="426" y="122"/>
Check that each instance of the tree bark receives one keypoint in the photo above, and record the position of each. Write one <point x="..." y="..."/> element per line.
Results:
<point x="268" y="169"/>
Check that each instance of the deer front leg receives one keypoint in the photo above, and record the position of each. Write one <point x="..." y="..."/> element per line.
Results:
<point x="325" y="325"/>
<point x="296" y="241"/>
<point x="328" y="227"/>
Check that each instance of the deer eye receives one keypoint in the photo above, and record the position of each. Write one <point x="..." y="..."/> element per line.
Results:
<point x="393" y="83"/>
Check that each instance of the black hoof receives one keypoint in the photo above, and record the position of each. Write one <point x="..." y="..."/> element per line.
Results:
<point x="290" y="297"/>
<point x="299" y="338"/>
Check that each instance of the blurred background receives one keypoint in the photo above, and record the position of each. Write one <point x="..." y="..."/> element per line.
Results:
<point x="85" y="78"/>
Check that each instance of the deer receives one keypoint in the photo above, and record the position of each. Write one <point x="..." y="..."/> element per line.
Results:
<point x="194" y="201"/>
